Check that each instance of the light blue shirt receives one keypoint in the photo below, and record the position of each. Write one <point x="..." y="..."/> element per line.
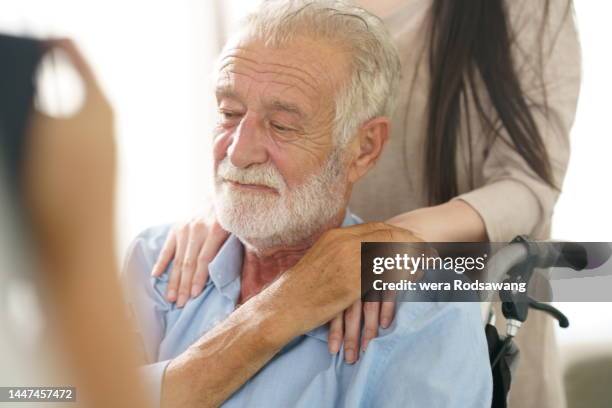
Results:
<point x="433" y="354"/>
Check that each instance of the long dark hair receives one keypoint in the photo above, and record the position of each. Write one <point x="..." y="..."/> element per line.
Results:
<point x="470" y="38"/>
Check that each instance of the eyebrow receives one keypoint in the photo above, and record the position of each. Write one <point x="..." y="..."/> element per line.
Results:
<point x="285" y="106"/>
<point x="226" y="91"/>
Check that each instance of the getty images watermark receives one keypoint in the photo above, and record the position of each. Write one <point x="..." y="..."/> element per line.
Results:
<point x="544" y="271"/>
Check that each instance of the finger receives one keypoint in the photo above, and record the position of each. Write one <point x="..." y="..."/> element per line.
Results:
<point x="165" y="256"/>
<point x="352" y="326"/>
<point x="334" y="337"/>
<point x="175" y="274"/>
<point x="197" y="234"/>
<point x="213" y="242"/>
<point x="387" y="312"/>
<point x="371" y="313"/>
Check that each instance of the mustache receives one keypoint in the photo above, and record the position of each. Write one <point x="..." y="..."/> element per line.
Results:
<point x="261" y="174"/>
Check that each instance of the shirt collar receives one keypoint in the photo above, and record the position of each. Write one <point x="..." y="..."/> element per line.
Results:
<point x="227" y="264"/>
<point x="226" y="267"/>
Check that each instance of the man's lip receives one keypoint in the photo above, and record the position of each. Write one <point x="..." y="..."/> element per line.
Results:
<point x="254" y="187"/>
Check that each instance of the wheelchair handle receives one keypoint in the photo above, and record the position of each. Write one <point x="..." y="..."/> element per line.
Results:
<point x="546" y="254"/>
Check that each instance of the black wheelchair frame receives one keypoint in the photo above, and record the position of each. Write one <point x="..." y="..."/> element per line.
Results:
<point x="515" y="263"/>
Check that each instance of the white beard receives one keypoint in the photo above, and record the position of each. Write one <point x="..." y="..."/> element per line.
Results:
<point x="264" y="220"/>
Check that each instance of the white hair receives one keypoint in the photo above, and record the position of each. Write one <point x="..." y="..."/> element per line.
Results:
<point x="371" y="89"/>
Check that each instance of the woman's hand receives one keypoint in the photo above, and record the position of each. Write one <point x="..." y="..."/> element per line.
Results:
<point x="192" y="245"/>
<point x="347" y="326"/>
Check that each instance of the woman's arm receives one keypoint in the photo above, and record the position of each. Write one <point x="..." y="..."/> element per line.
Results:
<point x="512" y="199"/>
<point x="68" y="189"/>
<point x="454" y="221"/>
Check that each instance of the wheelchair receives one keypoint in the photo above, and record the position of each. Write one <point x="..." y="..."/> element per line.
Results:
<point x="516" y="263"/>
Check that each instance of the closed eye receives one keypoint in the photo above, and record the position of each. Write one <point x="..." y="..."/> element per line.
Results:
<point x="230" y="115"/>
<point x="279" y="128"/>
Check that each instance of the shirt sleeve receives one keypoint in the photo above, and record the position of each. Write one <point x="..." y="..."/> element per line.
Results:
<point x="436" y="355"/>
<point x="146" y="305"/>
<point x="152" y="376"/>
<point x="513" y="200"/>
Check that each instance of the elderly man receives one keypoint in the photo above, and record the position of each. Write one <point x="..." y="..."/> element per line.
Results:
<point x="304" y="93"/>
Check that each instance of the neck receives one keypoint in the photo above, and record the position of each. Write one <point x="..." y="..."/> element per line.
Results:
<point x="261" y="266"/>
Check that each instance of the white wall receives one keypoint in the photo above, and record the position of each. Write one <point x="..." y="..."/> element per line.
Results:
<point x="153" y="59"/>
<point x="583" y="211"/>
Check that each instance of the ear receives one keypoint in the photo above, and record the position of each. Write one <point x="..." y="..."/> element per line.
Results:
<point x="368" y="146"/>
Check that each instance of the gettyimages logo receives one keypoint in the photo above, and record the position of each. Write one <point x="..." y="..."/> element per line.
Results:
<point x="412" y="264"/>
<point x="541" y="271"/>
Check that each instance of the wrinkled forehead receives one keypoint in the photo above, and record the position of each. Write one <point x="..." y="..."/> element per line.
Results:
<point x="303" y="72"/>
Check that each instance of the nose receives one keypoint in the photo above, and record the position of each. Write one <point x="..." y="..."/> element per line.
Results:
<point x="248" y="144"/>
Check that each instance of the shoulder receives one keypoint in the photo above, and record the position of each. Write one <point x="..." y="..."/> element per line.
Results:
<point x="550" y="25"/>
<point x="435" y="335"/>
<point x="144" y="294"/>
<point x="142" y="254"/>
<point x="148" y="243"/>
<point x="434" y="325"/>
<point x="415" y="316"/>
<point x="151" y="239"/>
<point x="440" y="349"/>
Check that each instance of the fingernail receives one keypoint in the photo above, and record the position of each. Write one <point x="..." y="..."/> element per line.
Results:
<point x="154" y="271"/>
<point x="181" y="300"/>
<point x="171" y="295"/>
<point x="364" y="345"/>
<point x="385" y="322"/>
<point x="349" y="355"/>
<point x="334" y="346"/>
<point x="195" y="291"/>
